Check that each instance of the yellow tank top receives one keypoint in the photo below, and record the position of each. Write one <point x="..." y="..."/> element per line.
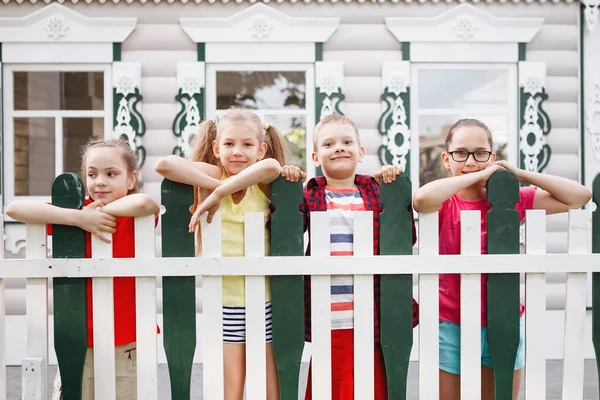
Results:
<point x="232" y="219"/>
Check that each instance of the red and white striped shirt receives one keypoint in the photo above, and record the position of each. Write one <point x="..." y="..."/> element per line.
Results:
<point x="341" y="205"/>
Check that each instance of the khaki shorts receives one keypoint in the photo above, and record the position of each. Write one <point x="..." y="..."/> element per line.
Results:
<point x="125" y="371"/>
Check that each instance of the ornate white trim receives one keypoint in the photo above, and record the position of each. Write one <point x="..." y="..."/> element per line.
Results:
<point x="592" y="118"/>
<point x="464" y="22"/>
<point x="284" y="1"/>
<point x="591" y="11"/>
<point x="264" y="23"/>
<point x="395" y="77"/>
<point x="260" y="27"/>
<point x="14" y="237"/>
<point x="127" y="83"/>
<point x="59" y="23"/>
<point x="329" y="77"/>
<point x="56" y="27"/>
<point x="190" y="83"/>
<point x="532" y="76"/>
<point x="393" y="124"/>
<point x="532" y="134"/>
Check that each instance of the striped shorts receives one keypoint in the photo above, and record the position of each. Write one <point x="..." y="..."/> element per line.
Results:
<point x="234" y="324"/>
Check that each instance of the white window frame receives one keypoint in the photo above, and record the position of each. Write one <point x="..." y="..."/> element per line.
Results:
<point x="58" y="115"/>
<point x="308" y="112"/>
<point x="416" y="112"/>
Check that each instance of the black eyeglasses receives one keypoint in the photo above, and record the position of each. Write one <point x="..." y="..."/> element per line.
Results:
<point x="463" y="155"/>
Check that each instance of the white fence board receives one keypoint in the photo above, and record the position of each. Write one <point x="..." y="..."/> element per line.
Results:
<point x="37" y="313"/>
<point x="579" y="243"/>
<point x="470" y="309"/>
<point x="145" y="298"/>
<point x="212" y="309"/>
<point x="429" y="312"/>
<point x="363" y="311"/>
<point x="104" y="327"/>
<point x="535" y="304"/>
<point x="320" y="310"/>
<point x="256" y="360"/>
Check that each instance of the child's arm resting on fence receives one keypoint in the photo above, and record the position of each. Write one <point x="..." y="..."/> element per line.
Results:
<point x="90" y="218"/>
<point x="261" y="173"/>
<point x="557" y="195"/>
<point x="181" y="170"/>
<point x="431" y="196"/>
<point x="133" y="205"/>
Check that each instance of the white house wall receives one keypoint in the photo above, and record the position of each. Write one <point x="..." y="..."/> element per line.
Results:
<point x="362" y="43"/>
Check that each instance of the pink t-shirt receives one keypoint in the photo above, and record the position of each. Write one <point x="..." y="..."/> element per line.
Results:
<point x="449" y="230"/>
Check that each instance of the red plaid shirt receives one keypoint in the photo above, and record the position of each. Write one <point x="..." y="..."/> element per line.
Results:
<point x="314" y="200"/>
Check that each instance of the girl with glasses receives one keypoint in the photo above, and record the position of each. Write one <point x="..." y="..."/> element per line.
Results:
<point x="471" y="161"/>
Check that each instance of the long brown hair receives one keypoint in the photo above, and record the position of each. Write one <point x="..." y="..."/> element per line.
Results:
<point x="127" y="155"/>
<point x="209" y="131"/>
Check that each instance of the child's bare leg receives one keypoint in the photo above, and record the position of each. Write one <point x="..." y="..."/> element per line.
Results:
<point x="487" y="383"/>
<point x="234" y="370"/>
<point x="449" y="386"/>
<point x="272" y="375"/>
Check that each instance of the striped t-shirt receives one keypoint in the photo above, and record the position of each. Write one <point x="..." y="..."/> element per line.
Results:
<point x="341" y="203"/>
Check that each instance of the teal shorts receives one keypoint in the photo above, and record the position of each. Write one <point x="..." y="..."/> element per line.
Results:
<point x="450" y="348"/>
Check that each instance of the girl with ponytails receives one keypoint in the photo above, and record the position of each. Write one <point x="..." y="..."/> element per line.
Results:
<point x="235" y="159"/>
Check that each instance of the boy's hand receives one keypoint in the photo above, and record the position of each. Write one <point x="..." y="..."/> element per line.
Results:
<point x="92" y="219"/>
<point x="291" y="173"/>
<point x="509" y="167"/>
<point x="388" y="173"/>
<point x="210" y="204"/>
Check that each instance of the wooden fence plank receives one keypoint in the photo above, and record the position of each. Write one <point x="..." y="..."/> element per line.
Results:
<point x="470" y="309"/>
<point x="575" y="304"/>
<point x="179" y="293"/>
<point x="396" y="290"/>
<point x="145" y="299"/>
<point x="256" y="360"/>
<point x="503" y="289"/>
<point x="2" y="323"/>
<point x="535" y="304"/>
<point x="596" y="275"/>
<point x="212" y="313"/>
<point x="363" y="310"/>
<point x="36" y="300"/>
<point x="104" y="327"/>
<point x="287" y="292"/>
<point x="429" y="324"/>
<point x="70" y="325"/>
<point x="320" y="310"/>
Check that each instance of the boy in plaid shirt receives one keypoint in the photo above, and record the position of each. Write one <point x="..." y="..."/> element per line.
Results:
<point x="341" y="192"/>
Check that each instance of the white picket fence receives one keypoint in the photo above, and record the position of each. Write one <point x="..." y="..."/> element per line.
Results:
<point x="535" y="263"/>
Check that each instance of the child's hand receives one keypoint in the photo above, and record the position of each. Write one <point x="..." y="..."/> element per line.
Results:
<point x="96" y="221"/>
<point x="210" y="204"/>
<point x="489" y="171"/>
<point x="291" y="173"/>
<point x="509" y="167"/>
<point x="388" y="173"/>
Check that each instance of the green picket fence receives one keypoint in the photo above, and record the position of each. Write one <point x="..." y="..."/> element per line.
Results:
<point x="178" y="268"/>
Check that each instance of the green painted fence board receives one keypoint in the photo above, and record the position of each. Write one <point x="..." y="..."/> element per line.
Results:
<point x="179" y="293"/>
<point x="396" y="290"/>
<point x="503" y="289"/>
<point x="287" y="239"/>
<point x="70" y="330"/>
<point x="596" y="275"/>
